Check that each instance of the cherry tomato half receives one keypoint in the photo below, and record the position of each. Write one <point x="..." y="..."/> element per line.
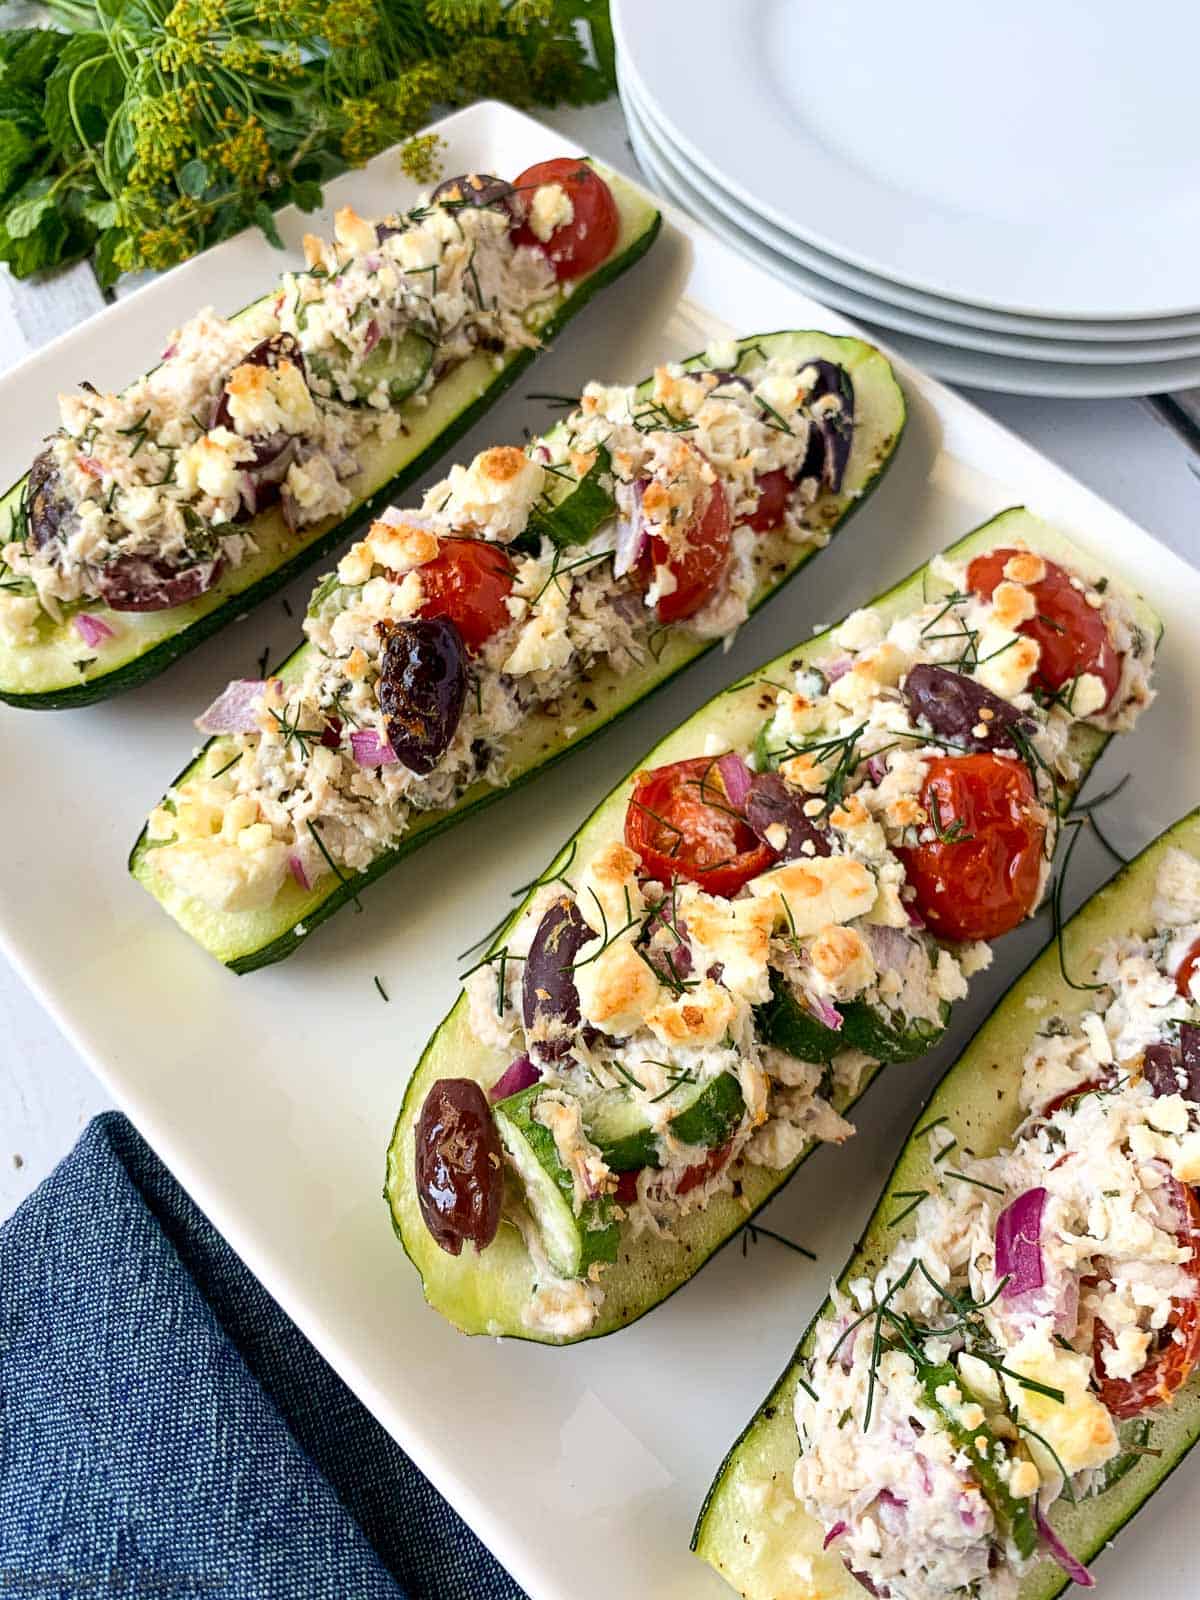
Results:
<point x="468" y="582"/>
<point x="701" y="565"/>
<point x="774" y="488"/>
<point x="1187" y="969"/>
<point x="682" y="826"/>
<point x="1178" y="1346"/>
<point x="1073" y="635"/>
<point x="588" y="239"/>
<point x="979" y="877"/>
<point x="692" y="1177"/>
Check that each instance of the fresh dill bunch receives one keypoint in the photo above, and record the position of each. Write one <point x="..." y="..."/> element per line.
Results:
<point x="143" y="131"/>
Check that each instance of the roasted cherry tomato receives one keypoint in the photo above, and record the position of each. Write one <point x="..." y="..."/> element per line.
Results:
<point x="682" y="826"/>
<point x="1187" y="969"/>
<point x="773" y="491"/>
<point x="468" y="581"/>
<point x="1072" y="635"/>
<point x="577" y="246"/>
<point x="701" y="565"/>
<point x="979" y="876"/>
<point x="1177" y="1350"/>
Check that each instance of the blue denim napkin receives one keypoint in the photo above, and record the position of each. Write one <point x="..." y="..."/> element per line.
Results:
<point x="165" y="1431"/>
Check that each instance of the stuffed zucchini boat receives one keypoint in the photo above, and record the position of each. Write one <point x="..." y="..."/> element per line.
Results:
<point x="793" y="890"/>
<point x="153" y="517"/>
<point x="536" y="594"/>
<point x="1005" y="1370"/>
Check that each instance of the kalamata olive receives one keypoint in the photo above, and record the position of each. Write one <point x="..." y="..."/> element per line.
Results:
<point x="1175" y="1069"/>
<point x="728" y="380"/>
<point x="459" y="1171"/>
<point x="832" y="433"/>
<point x="477" y="189"/>
<point x="548" y="990"/>
<point x="140" y="583"/>
<point x="770" y="803"/>
<point x="955" y="706"/>
<point x="48" y="510"/>
<point x="422" y="684"/>
<point x="272" y="352"/>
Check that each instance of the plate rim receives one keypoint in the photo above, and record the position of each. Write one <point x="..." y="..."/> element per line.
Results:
<point x="626" y="14"/>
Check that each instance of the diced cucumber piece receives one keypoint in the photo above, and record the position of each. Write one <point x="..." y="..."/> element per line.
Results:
<point x="703" y="1114"/>
<point x="571" y="1241"/>
<point x="887" y="1036"/>
<point x="399" y="364"/>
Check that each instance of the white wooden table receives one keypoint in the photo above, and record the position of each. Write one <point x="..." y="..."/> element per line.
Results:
<point x="1117" y="447"/>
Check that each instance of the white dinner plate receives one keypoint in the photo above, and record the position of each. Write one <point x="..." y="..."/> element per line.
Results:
<point x="1033" y="158"/>
<point x="272" y="1096"/>
<point x="1038" y="339"/>
<point x="1092" y="380"/>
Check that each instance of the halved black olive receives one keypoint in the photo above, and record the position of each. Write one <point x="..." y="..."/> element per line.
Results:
<point x="459" y="1171"/>
<point x="955" y="706"/>
<point x="770" y="803"/>
<point x="48" y="510"/>
<point x="422" y="684"/>
<point x="477" y="189"/>
<point x="140" y="583"/>
<point x="832" y="433"/>
<point x="547" y="986"/>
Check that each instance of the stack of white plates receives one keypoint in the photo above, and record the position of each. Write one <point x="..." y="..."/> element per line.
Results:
<point x="1010" y="195"/>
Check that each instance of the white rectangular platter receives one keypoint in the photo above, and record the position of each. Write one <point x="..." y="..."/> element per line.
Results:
<point x="272" y="1096"/>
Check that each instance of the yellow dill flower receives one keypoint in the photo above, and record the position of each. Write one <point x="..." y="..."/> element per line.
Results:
<point x="465" y="16"/>
<point x="164" y="246"/>
<point x="522" y="15"/>
<point x="244" y="152"/>
<point x="421" y="157"/>
<point x="366" y="131"/>
<point x="348" y="24"/>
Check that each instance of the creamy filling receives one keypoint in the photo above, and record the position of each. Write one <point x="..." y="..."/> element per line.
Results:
<point x="170" y="469"/>
<point x="1034" y="1345"/>
<point x="305" y="795"/>
<point x="671" y="991"/>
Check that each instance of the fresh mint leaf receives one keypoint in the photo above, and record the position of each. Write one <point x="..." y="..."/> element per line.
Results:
<point x="104" y="257"/>
<point x="265" y="218"/>
<point x="16" y="151"/>
<point x="27" y="55"/>
<point x="194" y="177"/>
<point x="34" y="252"/>
<point x="25" y="217"/>
<point x="307" y="195"/>
<point x="88" y="78"/>
<point x="101" y="213"/>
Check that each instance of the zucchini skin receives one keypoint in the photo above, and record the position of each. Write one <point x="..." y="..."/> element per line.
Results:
<point x="330" y="896"/>
<point x="486" y="1294"/>
<point x="155" y="660"/>
<point x="991" y="1060"/>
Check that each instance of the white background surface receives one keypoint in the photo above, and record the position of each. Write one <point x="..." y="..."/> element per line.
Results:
<point x="272" y="1096"/>
<point x="1116" y="447"/>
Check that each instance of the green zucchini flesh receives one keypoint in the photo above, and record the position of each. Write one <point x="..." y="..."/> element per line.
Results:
<point x="979" y="1100"/>
<point x="57" y="671"/>
<point x="704" y="1114"/>
<point x="790" y="1026"/>
<point x="487" y="1293"/>
<point x="247" y="940"/>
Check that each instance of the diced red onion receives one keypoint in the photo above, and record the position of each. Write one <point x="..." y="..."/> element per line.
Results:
<point x="541" y="453"/>
<point x="1075" y="1570"/>
<point x="631" y="527"/>
<point x="1019" y="1243"/>
<point x="91" y="629"/>
<point x="834" y="670"/>
<point x="169" y="352"/>
<point x="835" y="1532"/>
<point x="825" y="1012"/>
<point x="287" y="506"/>
<point x="370" y="750"/>
<point x="876" y="769"/>
<point x="371" y="337"/>
<point x="514" y="1078"/>
<point x="889" y="946"/>
<point x="91" y="466"/>
<point x="915" y="919"/>
<point x="296" y="868"/>
<point x="233" y="711"/>
<point x="737" y="778"/>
